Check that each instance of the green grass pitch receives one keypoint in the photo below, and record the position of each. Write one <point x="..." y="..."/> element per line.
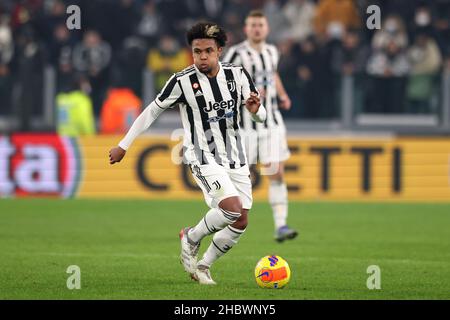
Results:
<point x="129" y="250"/>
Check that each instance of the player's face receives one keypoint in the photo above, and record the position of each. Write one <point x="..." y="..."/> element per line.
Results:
<point x="206" y="54"/>
<point x="256" y="29"/>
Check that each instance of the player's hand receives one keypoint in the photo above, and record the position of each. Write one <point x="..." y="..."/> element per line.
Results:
<point x="262" y="93"/>
<point x="116" y="155"/>
<point x="285" y="102"/>
<point x="252" y="104"/>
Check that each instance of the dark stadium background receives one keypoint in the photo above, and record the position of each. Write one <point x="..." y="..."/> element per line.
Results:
<point x="369" y="177"/>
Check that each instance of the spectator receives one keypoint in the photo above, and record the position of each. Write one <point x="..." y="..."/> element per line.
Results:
<point x="393" y="28"/>
<point x="167" y="59"/>
<point x="74" y="109"/>
<point x="30" y="61"/>
<point x="401" y="8"/>
<point x="23" y="12"/>
<point x="124" y="16"/>
<point x="6" y="41"/>
<point x="233" y="16"/>
<point x="181" y="14"/>
<point x="119" y="111"/>
<point x="333" y="17"/>
<point x="56" y="15"/>
<point x="287" y="69"/>
<point x="388" y="67"/>
<point x="277" y="21"/>
<point x="300" y="15"/>
<point x="351" y="57"/>
<point x="213" y="9"/>
<point x="312" y="73"/>
<point x="151" y="24"/>
<point x="422" y="20"/>
<point x="6" y="55"/>
<point x="61" y="49"/>
<point x="389" y="61"/>
<point x="92" y="57"/>
<point x="441" y="26"/>
<point x="129" y="63"/>
<point x="426" y="61"/>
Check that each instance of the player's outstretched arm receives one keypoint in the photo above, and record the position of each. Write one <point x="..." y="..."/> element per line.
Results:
<point x="145" y="119"/>
<point x="170" y="95"/>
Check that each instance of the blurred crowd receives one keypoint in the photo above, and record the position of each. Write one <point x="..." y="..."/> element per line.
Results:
<point x="396" y="69"/>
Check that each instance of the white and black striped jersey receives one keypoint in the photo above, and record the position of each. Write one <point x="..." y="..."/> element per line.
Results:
<point x="210" y="114"/>
<point x="262" y="67"/>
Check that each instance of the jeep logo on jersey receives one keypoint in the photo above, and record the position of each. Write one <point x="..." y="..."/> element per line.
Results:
<point x="229" y="104"/>
<point x="38" y="165"/>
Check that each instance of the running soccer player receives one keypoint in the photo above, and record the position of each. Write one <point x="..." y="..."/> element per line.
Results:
<point x="267" y="140"/>
<point x="209" y="94"/>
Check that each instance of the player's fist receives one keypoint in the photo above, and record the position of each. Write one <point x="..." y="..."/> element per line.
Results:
<point x="116" y="154"/>
<point x="252" y="104"/>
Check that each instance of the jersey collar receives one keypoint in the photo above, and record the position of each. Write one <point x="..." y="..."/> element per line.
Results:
<point x="248" y="45"/>
<point x="201" y="74"/>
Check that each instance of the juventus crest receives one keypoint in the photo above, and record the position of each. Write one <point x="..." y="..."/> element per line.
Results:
<point x="231" y="85"/>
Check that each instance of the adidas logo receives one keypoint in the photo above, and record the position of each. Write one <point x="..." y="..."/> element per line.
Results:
<point x="199" y="93"/>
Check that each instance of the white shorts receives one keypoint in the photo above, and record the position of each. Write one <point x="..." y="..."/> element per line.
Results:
<point x="219" y="183"/>
<point x="267" y="146"/>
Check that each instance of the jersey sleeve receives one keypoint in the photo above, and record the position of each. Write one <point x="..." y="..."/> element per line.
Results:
<point x="249" y="87"/>
<point x="170" y="95"/>
<point x="275" y="55"/>
<point x="232" y="56"/>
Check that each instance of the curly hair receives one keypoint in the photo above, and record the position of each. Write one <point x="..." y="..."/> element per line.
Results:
<point x="207" y="30"/>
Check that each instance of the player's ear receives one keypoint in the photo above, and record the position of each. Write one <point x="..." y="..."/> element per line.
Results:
<point x="219" y="51"/>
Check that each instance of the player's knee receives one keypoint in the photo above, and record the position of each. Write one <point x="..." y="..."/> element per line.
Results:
<point x="232" y="204"/>
<point x="242" y="222"/>
<point x="231" y="209"/>
<point x="276" y="178"/>
<point x="277" y="170"/>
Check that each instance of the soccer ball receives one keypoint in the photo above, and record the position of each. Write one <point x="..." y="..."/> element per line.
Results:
<point x="272" y="272"/>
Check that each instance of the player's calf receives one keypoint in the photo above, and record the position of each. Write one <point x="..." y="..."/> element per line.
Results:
<point x="224" y="240"/>
<point x="228" y="212"/>
<point x="242" y="222"/>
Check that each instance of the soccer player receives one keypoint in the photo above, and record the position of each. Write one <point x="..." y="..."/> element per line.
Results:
<point x="209" y="94"/>
<point x="267" y="140"/>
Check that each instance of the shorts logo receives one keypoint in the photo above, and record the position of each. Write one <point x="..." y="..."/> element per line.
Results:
<point x="217" y="185"/>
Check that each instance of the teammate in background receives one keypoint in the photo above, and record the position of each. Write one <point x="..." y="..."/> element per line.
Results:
<point x="209" y="95"/>
<point x="267" y="140"/>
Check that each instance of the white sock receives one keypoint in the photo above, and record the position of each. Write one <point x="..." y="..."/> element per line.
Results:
<point x="215" y="219"/>
<point x="222" y="241"/>
<point x="278" y="199"/>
